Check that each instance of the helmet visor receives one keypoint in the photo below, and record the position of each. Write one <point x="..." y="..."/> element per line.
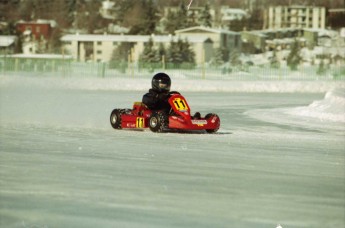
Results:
<point x="164" y="86"/>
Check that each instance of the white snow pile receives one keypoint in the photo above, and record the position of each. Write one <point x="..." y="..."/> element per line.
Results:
<point x="327" y="114"/>
<point x="331" y="108"/>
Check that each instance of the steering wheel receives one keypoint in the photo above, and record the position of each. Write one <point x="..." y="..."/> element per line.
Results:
<point x="173" y="92"/>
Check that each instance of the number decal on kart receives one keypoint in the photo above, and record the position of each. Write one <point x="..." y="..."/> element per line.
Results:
<point x="180" y="104"/>
<point x="140" y="122"/>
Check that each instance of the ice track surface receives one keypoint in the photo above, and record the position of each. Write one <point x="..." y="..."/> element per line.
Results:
<point x="279" y="158"/>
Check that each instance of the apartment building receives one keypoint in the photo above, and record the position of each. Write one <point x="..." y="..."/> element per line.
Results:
<point x="203" y="41"/>
<point x="220" y="37"/>
<point x="99" y="48"/>
<point x="277" y="17"/>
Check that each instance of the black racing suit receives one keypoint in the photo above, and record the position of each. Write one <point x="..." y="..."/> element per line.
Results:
<point x="156" y="100"/>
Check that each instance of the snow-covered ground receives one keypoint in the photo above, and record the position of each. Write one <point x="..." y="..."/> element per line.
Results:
<point x="279" y="156"/>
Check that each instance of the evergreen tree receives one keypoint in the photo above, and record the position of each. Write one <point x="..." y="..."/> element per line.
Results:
<point x="9" y="10"/>
<point x="321" y="70"/>
<point x="179" y="56"/>
<point x="294" y="57"/>
<point x="172" y="52"/>
<point x="146" y="19"/>
<point x="221" y="56"/>
<point x="70" y="8"/>
<point x="148" y="55"/>
<point x="193" y="20"/>
<point x="256" y="21"/>
<point x="10" y="29"/>
<point x="160" y="53"/>
<point x="180" y="53"/>
<point x="274" y="61"/>
<point x="150" y="17"/>
<point x="218" y="58"/>
<point x="54" y="42"/>
<point x="188" y="53"/>
<point x="86" y="17"/>
<point x="182" y="16"/>
<point x="205" y="17"/>
<point x="120" y="55"/>
<point x="170" y="22"/>
<point x="92" y="17"/>
<point x="179" y="19"/>
<point x="26" y="10"/>
<point x="238" y="25"/>
<point x="123" y="14"/>
<point x="235" y="58"/>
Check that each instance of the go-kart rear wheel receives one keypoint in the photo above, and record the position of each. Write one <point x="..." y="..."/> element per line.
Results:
<point x="215" y="129"/>
<point x="115" y="118"/>
<point x="158" y="122"/>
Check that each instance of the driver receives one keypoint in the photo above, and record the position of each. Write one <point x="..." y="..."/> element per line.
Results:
<point x="157" y="97"/>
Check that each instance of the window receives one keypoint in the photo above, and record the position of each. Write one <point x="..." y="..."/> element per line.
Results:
<point x="99" y="42"/>
<point x="99" y="52"/>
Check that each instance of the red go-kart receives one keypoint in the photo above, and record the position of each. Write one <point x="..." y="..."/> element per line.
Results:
<point x="179" y="118"/>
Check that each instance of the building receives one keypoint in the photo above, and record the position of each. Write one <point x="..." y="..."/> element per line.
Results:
<point x="35" y="35"/>
<point x="220" y="37"/>
<point x="336" y="18"/>
<point x="277" y="17"/>
<point x="7" y="44"/>
<point x="231" y="14"/>
<point x="40" y="29"/>
<point x="259" y="41"/>
<point x="99" y="48"/>
<point x="193" y="13"/>
<point x="204" y="41"/>
<point x="107" y="10"/>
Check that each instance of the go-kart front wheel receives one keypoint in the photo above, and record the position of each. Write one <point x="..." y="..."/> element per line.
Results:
<point x="115" y="119"/>
<point x="158" y="122"/>
<point x="215" y="129"/>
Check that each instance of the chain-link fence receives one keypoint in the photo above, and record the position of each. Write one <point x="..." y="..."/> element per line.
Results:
<point x="61" y="67"/>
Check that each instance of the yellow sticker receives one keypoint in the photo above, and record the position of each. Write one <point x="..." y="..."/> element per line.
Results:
<point x="180" y="104"/>
<point x="140" y="122"/>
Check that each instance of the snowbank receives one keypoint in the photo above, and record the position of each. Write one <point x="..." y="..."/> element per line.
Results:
<point x="327" y="114"/>
<point x="331" y="108"/>
<point x="179" y="84"/>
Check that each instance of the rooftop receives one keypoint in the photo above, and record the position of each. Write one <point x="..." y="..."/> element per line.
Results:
<point x="131" y="38"/>
<point x="206" y="29"/>
<point x="6" y="41"/>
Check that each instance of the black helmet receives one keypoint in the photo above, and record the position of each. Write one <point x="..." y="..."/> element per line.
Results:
<point x="161" y="82"/>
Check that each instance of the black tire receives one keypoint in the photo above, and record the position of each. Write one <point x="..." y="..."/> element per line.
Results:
<point x="115" y="118"/>
<point x="211" y="131"/>
<point x="158" y="122"/>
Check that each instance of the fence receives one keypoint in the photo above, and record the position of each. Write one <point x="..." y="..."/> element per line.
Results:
<point x="69" y="68"/>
